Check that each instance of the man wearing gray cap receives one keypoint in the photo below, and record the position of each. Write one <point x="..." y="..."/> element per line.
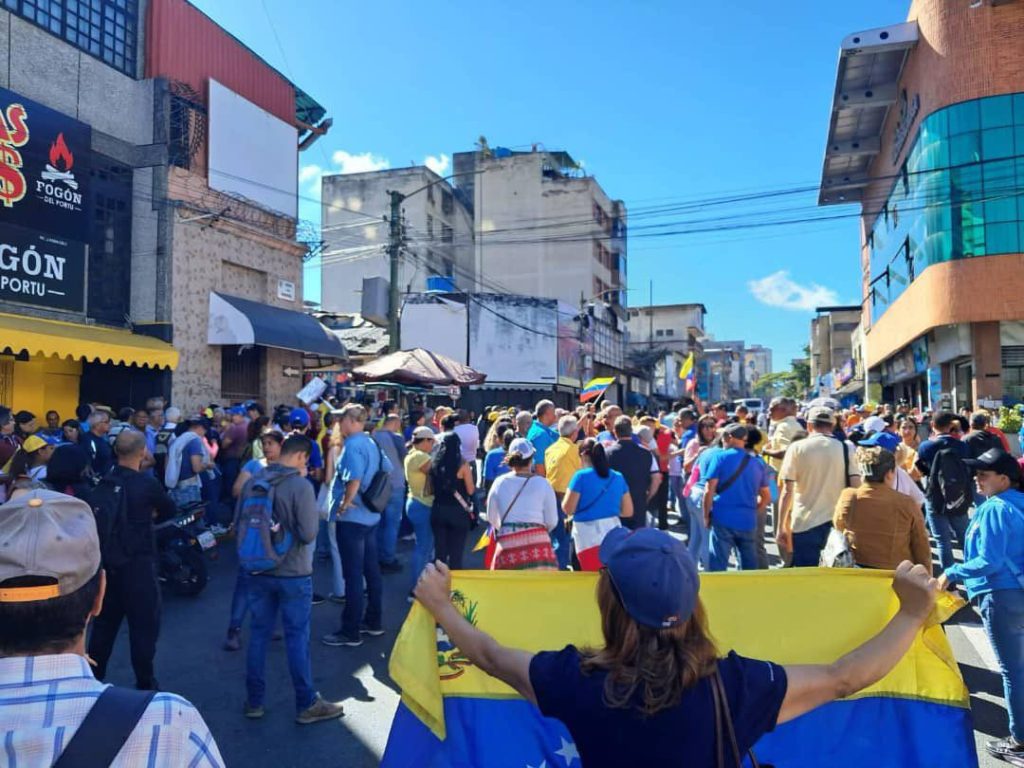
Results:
<point x="737" y="493"/>
<point x="814" y="474"/>
<point x="51" y="706"/>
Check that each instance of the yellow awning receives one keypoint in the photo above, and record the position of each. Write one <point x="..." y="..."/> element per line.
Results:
<point x="83" y="342"/>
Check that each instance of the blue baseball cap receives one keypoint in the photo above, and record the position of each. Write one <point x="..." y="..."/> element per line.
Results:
<point x="236" y="410"/>
<point x="298" y="418"/>
<point x="886" y="440"/>
<point x="654" y="575"/>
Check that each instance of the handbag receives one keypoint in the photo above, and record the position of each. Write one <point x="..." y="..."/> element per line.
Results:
<point x="492" y="534"/>
<point x="724" y="730"/>
<point x="837" y="552"/>
<point x="378" y="492"/>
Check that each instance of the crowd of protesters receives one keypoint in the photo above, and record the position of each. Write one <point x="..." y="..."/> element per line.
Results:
<point x="541" y="488"/>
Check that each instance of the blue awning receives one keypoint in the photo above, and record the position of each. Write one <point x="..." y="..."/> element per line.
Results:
<point x="249" y="323"/>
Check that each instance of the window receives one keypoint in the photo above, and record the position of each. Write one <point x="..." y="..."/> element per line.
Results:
<point x="106" y="29"/>
<point x="240" y="369"/>
<point x="960" y="196"/>
<point x="446" y="234"/>
<point x="670" y="332"/>
<point x="110" y="249"/>
<point x="430" y="227"/>
<point x="659" y="333"/>
<point x="447" y="204"/>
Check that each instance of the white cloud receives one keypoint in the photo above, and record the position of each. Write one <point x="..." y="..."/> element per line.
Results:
<point x="439" y="164"/>
<point x="309" y="172"/>
<point x="778" y="290"/>
<point x="361" y="163"/>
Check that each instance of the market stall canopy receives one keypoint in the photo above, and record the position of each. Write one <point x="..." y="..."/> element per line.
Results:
<point x="243" y="322"/>
<point x="92" y="343"/>
<point x="418" y="367"/>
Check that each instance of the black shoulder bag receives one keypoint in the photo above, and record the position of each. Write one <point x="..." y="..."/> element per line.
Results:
<point x="106" y="728"/>
<point x="378" y="492"/>
<point x="734" y="476"/>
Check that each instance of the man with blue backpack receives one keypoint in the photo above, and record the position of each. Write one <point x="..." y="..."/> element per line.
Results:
<point x="276" y="523"/>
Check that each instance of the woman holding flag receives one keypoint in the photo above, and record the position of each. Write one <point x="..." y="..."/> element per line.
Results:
<point x="597" y="497"/>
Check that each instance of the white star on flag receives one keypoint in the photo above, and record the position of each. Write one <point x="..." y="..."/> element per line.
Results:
<point x="568" y="751"/>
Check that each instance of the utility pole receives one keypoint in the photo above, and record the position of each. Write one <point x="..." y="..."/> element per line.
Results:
<point x="394" y="248"/>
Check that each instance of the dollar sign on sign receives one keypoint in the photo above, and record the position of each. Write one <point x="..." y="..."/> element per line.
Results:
<point x="12" y="182"/>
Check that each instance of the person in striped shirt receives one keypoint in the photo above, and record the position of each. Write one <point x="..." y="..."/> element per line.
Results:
<point x="52" y="709"/>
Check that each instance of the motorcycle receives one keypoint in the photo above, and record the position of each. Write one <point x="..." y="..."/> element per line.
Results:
<point x="182" y="542"/>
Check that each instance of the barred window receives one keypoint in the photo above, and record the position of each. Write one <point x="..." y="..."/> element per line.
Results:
<point x="106" y="29"/>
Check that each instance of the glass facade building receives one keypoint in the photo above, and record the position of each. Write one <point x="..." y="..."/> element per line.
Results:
<point x="959" y="194"/>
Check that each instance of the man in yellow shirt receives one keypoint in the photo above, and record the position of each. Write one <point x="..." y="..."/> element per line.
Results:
<point x="561" y="460"/>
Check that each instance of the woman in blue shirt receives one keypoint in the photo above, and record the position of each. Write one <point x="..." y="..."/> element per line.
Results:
<point x="597" y="497"/>
<point x="494" y="461"/>
<point x="993" y="572"/>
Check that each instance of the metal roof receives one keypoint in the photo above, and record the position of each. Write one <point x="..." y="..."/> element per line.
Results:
<point x="867" y="86"/>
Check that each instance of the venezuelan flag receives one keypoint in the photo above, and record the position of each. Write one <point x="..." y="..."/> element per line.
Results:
<point x="452" y="714"/>
<point x="595" y="388"/>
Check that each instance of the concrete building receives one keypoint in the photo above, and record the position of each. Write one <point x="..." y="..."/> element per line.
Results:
<point x="354" y="229"/>
<point x="678" y="327"/>
<point x="927" y="119"/>
<point x="831" y="347"/>
<point x="129" y="191"/>
<point x="757" y="361"/>
<point x="543" y="228"/>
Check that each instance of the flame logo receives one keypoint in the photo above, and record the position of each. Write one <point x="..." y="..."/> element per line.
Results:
<point x="60" y="156"/>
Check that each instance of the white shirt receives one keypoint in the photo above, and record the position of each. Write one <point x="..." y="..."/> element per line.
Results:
<point x="536" y="503"/>
<point x="470" y="437"/>
<point x="904" y="484"/>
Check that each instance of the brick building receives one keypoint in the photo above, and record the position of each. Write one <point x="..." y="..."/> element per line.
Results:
<point x="926" y="133"/>
<point x="139" y="259"/>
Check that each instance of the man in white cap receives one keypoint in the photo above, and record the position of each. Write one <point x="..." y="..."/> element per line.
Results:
<point x="51" y="706"/>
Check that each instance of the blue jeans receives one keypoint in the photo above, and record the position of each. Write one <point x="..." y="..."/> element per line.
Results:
<point x="387" y="529"/>
<point x="240" y="600"/>
<point x="293" y="596"/>
<point x="807" y="546"/>
<point x="358" y="546"/>
<point x="419" y="515"/>
<point x="698" y="541"/>
<point x="943" y="527"/>
<point x="560" y="539"/>
<point x="1002" y="612"/>
<point x="724" y="540"/>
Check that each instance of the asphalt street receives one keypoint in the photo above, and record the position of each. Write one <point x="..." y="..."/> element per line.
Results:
<point x="190" y="662"/>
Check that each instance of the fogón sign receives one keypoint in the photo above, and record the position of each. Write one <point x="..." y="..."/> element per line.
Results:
<point x="41" y="269"/>
<point x="44" y="168"/>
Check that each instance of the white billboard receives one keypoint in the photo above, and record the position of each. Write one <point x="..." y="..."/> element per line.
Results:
<point x="252" y="153"/>
<point x="435" y="324"/>
<point x="514" y="339"/>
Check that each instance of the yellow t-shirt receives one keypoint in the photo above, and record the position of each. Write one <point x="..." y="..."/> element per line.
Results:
<point x="561" y="460"/>
<point x="415" y="476"/>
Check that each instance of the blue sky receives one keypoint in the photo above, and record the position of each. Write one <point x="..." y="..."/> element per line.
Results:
<point x="666" y="103"/>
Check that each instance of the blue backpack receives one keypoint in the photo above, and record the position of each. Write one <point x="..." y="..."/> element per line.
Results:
<point x="262" y="540"/>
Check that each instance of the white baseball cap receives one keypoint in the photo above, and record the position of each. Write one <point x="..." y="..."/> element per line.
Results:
<point x="521" y="447"/>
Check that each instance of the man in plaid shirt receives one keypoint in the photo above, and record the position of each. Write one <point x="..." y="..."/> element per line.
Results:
<point x="51" y="585"/>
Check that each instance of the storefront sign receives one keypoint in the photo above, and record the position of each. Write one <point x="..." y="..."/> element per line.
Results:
<point x="908" y="112"/>
<point x="935" y="387"/>
<point x="44" y="169"/>
<point x="41" y="270"/>
<point x="845" y="372"/>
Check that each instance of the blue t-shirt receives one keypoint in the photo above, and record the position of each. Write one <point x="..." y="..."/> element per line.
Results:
<point x="493" y="467"/>
<point x="194" y="448"/>
<point x="687" y="436"/>
<point x="541" y="438"/>
<point x="737" y="507"/>
<point x="703" y="460"/>
<point x="608" y="737"/>
<point x="360" y="459"/>
<point x="252" y="466"/>
<point x="600" y="497"/>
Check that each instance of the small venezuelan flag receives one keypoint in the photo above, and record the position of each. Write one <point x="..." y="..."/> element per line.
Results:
<point x="595" y="388"/>
<point x="453" y="715"/>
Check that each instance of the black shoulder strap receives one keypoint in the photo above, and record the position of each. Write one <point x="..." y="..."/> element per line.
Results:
<point x="106" y="728"/>
<point x="846" y="464"/>
<point x="733" y="477"/>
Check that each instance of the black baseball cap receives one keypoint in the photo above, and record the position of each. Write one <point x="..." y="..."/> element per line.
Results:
<point x="996" y="460"/>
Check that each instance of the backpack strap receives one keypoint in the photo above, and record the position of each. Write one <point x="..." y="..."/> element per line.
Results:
<point x="734" y="476"/>
<point x="106" y="728"/>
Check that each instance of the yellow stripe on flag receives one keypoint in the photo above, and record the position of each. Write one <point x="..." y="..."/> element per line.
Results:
<point x="686" y="367"/>
<point x="793" y="616"/>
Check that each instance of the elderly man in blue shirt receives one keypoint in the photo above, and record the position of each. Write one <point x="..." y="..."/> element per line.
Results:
<point x="360" y="460"/>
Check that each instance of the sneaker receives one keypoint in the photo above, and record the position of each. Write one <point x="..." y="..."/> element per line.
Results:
<point x="319" y="710"/>
<point x="318" y="598"/>
<point x="219" y="530"/>
<point x="339" y="599"/>
<point x="338" y="640"/>
<point x="393" y="567"/>
<point x="371" y="631"/>
<point x="253" y="713"/>
<point x="233" y="642"/>
<point x="1003" y="748"/>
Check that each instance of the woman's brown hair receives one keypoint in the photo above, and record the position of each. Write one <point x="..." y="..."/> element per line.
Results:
<point x="659" y="665"/>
